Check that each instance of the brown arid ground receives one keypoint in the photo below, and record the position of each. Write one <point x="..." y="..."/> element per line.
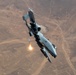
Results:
<point x="58" y="21"/>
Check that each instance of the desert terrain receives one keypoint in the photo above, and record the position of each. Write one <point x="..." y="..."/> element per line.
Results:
<point x="58" y="21"/>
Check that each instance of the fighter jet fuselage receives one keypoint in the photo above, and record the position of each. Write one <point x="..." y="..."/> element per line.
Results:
<point x="45" y="45"/>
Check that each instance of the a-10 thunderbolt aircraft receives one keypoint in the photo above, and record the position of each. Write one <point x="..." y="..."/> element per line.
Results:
<point x="45" y="45"/>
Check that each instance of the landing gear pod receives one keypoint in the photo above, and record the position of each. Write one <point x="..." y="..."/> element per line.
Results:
<point x="30" y="33"/>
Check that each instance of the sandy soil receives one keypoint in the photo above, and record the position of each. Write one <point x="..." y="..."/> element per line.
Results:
<point x="58" y="21"/>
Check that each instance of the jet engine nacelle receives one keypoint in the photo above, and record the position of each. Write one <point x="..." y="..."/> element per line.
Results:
<point x="38" y="27"/>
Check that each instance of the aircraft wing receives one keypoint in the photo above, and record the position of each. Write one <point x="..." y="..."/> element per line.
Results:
<point x="46" y="54"/>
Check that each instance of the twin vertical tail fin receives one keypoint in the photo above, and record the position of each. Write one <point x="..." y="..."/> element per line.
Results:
<point x="25" y="17"/>
<point x="30" y="15"/>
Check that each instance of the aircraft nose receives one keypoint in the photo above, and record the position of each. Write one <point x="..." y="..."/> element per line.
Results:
<point x="55" y="54"/>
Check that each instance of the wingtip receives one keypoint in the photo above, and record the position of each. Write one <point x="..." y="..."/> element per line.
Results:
<point x="49" y="60"/>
